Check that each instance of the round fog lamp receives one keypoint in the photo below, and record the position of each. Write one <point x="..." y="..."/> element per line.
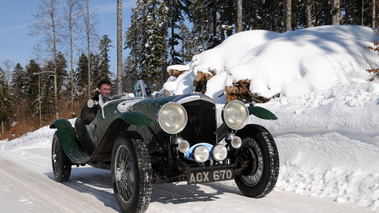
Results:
<point x="201" y="154"/>
<point x="219" y="152"/>
<point x="236" y="142"/>
<point x="183" y="146"/>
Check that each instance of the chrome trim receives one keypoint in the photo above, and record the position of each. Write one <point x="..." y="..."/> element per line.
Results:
<point x="191" y="97"/>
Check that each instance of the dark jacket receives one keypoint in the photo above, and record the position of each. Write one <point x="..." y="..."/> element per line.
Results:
<point x="88" y="113"/>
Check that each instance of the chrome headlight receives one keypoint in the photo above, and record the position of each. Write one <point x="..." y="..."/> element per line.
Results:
<point x="201" y="154"/>
<point x="219" y="152"/>
<point x="235" y="115"/>
<point x="172" y="118"/>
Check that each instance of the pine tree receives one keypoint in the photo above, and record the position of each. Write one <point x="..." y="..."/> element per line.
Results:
<point x="30" y="89"/>
<point x="129" y="78"/>
<point x="6" y="111"/>
<point x="104" y="48"/>
<point x="81" y="77"/>
<point x="45" y="106"/>
<point x="18" y="82"/>
<point x="175" y="18"/>
<point x="96" y="70"/>
<point x="187" y="47"/>
<point x="18" y="86"/>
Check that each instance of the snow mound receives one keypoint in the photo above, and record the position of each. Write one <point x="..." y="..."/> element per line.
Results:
<point x="292" y="63"/>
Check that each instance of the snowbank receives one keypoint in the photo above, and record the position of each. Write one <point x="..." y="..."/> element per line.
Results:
<point x="292" y="63"/>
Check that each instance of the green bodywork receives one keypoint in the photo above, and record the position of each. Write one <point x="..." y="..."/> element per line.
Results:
<point x="94" y="142"/>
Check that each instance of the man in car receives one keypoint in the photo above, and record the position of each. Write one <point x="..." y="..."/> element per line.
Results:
<point x="102" y="94"/>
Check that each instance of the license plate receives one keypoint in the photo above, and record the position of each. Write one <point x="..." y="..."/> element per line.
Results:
<point x="209" y="176"/>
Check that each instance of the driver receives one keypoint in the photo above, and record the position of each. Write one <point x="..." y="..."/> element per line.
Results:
<point x="89" y="110"/>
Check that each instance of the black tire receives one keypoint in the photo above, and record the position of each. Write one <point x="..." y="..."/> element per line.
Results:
<point x="131" y="173"/>
<point x="260" y="151"/>
<point x="61" y="163"/>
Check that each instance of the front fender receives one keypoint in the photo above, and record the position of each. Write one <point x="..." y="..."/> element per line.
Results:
<point x="262" y="113"/>
<point x="120" y="124"/>
<point x="66" y="135"/>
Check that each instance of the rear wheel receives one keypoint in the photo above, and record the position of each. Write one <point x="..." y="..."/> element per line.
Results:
<point x="60" y="162"/>
<point x="131" y="174"/>
<point x="260" y="154"/>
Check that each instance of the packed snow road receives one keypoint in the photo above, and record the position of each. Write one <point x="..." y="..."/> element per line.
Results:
<point x="27" y="185"/>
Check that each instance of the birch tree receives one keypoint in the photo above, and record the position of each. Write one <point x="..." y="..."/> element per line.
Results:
<point x="89" y="20"/>
<point x="46" y="24"/>
<point x="72" y="33"/>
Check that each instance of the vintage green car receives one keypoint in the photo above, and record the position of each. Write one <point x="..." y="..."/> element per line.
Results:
<point x="145" y="140"/>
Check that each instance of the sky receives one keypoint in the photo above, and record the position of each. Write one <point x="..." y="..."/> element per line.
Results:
<point x="17" y="45"/>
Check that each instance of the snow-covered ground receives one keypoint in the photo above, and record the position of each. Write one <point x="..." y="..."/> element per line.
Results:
<point x="327" y="132"/>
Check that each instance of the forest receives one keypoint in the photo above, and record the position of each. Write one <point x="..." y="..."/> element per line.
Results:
<point x="60" y="78"/>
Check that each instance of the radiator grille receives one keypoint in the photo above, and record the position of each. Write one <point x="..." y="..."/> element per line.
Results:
<point x="202" y="124"/>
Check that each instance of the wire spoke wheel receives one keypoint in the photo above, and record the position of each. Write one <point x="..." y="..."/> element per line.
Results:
<point x="131" y="173"/>
<point x="254" y="171"/>
<point x="124" y="173"/>
<point x="259" y="156"/>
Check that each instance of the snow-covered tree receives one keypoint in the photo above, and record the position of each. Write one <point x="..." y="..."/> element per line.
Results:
<point x="146" y="38"/>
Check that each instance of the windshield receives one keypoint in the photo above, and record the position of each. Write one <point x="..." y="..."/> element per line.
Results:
<point x="141" y="89"/>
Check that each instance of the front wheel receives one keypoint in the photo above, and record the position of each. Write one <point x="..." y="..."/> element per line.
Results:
<point x="131" y="173"/>
<point x="259" y="155"/>
<point x="60" y="162"/>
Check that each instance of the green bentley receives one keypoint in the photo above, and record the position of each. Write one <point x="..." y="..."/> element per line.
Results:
<point x="149" y="140"/>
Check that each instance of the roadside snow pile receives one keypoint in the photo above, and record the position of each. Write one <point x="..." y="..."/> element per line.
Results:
<point x="38" y="139"/>
<point x="292" y="63"/>
<point x="328" y="143"/>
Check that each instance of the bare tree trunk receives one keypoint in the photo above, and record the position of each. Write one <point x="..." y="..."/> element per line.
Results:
<point x="373" y="13"/>
<point x="288" y="11"/>
<point x="71" y="64"/>
<point x="119" y="47"/>
<point x="239" y="27"/>
<point x="55" y="59"/>
<point x="363" y="9"/>
<point x="88" y="30"/>
<point x="70" y="21"/>
<point x="308" y="12"/>
<point x="336" y="12"/>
